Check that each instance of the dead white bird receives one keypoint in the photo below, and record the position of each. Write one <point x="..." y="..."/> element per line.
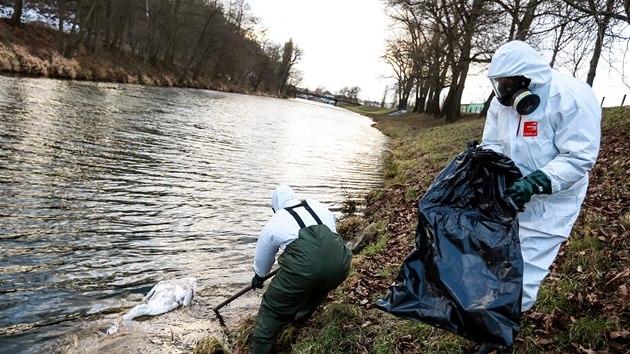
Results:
<point x="165" y="296"/>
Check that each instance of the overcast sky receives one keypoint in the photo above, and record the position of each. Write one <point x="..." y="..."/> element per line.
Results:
<point x="343" y="41"/>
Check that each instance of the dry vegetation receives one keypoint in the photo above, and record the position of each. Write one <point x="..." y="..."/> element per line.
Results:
<point x="30" y="50"/>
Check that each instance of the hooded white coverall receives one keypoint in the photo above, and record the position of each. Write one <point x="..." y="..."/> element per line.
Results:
<point x="282" y="229"/>
<point x="314" y="262"/>
<point x="561" y="138"/>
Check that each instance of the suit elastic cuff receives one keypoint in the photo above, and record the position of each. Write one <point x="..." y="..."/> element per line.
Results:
<point x="555" y="184"/>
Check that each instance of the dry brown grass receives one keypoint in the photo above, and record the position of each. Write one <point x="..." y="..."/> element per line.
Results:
<point x="32" y="50"/>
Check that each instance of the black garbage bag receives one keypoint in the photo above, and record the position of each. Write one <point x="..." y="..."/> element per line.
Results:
<point x="466" y="273"/>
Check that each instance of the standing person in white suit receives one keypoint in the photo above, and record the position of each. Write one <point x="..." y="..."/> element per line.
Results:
<point x="548" y="123"/>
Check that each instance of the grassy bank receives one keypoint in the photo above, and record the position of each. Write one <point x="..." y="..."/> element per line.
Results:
<point x="582" y="307"/>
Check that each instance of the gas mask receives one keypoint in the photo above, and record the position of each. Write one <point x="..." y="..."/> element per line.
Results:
<point x="513" y="91"/>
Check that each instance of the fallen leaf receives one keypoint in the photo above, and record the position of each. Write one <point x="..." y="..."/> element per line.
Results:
<point x="587" y="351"/>
<point x="619" y="335"/>
<point x="625" y="273"/>
<point x="623" y="291"/>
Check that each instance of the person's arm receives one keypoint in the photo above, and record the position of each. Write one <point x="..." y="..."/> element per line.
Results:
<point x="490" y="139"/>
<point x="266" y="251"/>
<point x="577" y="139"/>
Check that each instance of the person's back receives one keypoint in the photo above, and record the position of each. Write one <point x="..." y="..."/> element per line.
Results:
<point x="315" y="261"/>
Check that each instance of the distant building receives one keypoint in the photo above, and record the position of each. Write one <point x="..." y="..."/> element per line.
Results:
<point x="471" y="108"/>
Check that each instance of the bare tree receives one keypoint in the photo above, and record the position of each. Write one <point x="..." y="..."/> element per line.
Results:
<point x="200" y="40"/>
<point x="605" y="13"/>
<point x="203" y="37"/>
<point x="469" y="32"/>
<point x="238" y="13"/>
<point x="291" y="55"/>
<point x="16" y="18"/>
<point x="460" y="22"/>
<point x="399" y="58"/>
<point x="80" y="27"/>
<point x="268" y="54"/>
<point x="351" y="93"/>
<point x="385" y="93"/>
<point x="402" y="51"/>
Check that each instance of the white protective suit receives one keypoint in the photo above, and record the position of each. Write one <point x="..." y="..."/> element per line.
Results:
<point x="561" y="138"/>
<point x="282" y="229"/>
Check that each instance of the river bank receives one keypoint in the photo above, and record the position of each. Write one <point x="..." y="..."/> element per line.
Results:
<point x="109" y="189"/>
<point x="583" y="304"/>
<point x="31" y="51"/>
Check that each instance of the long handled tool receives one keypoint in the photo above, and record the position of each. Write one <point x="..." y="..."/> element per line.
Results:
<point x="236" y="296"/>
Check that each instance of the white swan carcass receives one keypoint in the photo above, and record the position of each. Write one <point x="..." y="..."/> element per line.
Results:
<point x="165" y="296"/>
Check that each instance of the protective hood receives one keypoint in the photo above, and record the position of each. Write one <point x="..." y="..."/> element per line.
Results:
<point x="517" y="58"/>
<point x="281" y="196"/>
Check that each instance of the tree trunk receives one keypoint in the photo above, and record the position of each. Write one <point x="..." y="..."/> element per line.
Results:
<point x="416" y="104"/>
<point x="197" y="48"/>
<point x="405" y="92"/>
<point x="16" y="19"/>
<point x="424" y="92"/>
<point x="525" y="24"/>
<point x="262" y="72"/>
<point x="173" y="36"/>
<point x="77" y="39"/>
<point x="602" y="24"/>
<point x="556" y="47"/>
<point x="62" y="17"/>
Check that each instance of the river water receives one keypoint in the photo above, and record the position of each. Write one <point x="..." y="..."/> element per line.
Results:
<point x="106" y="189"/>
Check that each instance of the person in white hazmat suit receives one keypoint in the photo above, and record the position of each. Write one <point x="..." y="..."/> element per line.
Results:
<point x="314" y="262"/>
<point x="548" y="123"/>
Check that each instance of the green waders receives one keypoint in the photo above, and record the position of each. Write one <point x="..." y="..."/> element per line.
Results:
<point x="310" y="267"/>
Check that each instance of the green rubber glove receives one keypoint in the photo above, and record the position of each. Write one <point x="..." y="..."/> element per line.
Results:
<point x="257" y="282"/>
<point x="522" y="190"/>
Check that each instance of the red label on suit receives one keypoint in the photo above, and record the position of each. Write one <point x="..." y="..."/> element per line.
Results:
<point x="530" y="129"/>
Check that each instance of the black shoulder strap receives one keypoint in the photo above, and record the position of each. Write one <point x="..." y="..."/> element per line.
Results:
<point x="308" y="208"/>
<point x="298" y="218"/>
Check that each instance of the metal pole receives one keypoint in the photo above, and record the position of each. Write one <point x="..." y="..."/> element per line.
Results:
<point x="623" y="99"/>
<point x="242" y="291"/>
<point x="236" y="296"/>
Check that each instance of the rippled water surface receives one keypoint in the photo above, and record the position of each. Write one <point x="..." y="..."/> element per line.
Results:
<point x="105" y="189"/>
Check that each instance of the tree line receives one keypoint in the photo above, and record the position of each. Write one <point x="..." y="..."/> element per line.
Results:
<point x="437" y="42"/>
<point x="197" y="39"/>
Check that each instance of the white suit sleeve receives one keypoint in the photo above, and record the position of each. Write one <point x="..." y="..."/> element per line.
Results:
<point x="265" y="254"/>
<point x="490" y="139"/>
<point x="577" y="139"/>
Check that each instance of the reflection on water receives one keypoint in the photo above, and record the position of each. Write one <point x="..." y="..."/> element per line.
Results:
<point x="106" y="189"/>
